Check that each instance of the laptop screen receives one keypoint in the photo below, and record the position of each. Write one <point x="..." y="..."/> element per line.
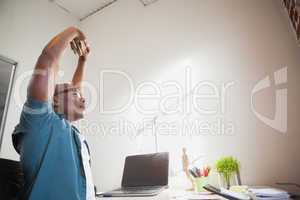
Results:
<point x="146" y="170"/>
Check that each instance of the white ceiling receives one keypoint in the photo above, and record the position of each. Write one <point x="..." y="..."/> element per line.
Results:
<point x="81" y="8"/>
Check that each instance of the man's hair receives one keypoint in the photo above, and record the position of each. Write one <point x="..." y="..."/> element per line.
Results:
<point x="62" y="88"/>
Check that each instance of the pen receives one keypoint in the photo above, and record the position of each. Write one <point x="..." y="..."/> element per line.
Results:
<point x="198" y="170"/>
<point x="193" y="173"/>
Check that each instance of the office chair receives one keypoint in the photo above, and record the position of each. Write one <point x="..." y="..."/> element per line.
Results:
<point x="11" y="179"/>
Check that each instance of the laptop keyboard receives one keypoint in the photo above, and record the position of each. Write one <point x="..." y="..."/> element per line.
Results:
<point x="138" y="190"/>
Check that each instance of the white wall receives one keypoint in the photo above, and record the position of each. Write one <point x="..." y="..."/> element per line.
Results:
<point x="232" y="40"/>
<point x="26" y="27"/>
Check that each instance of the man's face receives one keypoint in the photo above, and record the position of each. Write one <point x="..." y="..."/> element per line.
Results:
<point x="70" y="103"/>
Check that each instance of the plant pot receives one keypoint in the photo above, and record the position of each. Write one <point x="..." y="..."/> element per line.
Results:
<point x="227" y="182"/>
<point x="199" y="183"/>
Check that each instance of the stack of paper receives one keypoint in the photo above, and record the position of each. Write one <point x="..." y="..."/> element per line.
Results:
<point x="270" y="194"/>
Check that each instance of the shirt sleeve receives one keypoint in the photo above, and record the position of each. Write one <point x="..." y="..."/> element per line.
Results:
<point x="34" y="122"/>
<point x="36" y="116"/>
<point x="36" y="109"/>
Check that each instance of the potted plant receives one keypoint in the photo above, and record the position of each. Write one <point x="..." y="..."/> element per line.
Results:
<point x="227" y="167"/>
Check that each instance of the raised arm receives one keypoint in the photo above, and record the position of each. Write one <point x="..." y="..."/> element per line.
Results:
<point x="42" y="82"/>
<point x="79" y="73"/>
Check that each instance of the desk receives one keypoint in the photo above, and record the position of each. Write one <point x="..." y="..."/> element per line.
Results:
<point x="165" y="195"/>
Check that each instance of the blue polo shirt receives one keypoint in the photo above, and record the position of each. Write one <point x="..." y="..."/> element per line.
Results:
<point x="49" y="149"/>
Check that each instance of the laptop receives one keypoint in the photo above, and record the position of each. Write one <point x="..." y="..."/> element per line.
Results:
<point x="143" y="175"/>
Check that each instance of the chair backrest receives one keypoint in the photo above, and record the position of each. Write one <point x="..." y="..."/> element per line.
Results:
<point x="11" y="179"/>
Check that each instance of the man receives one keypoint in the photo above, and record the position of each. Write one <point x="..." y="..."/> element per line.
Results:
<point x="54" y="155"/>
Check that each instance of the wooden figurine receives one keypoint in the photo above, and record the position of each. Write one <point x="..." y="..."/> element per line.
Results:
<point x="185" y="167"/>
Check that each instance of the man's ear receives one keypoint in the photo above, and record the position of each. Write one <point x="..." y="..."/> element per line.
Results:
<point x="55" y="103"/>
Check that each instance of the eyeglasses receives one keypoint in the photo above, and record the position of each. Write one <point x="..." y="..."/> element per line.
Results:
<point x="75" y="92"/>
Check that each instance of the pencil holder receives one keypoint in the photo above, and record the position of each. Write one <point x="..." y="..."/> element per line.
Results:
<point x="199" y="183"/>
